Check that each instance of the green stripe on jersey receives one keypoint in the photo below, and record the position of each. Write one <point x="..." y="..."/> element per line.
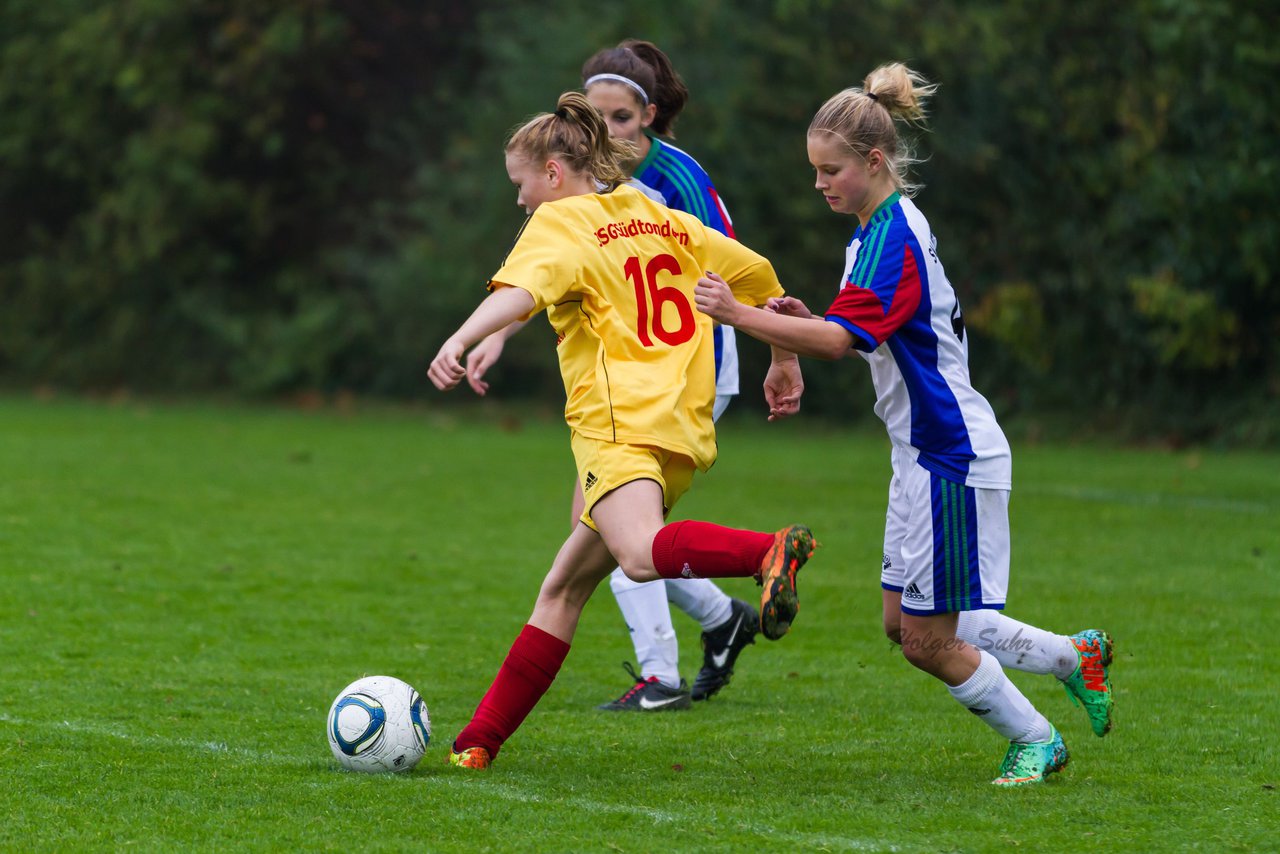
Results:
<point x="955" y="547"/>
<point x="870" y="251"/>
<point x="874" y="236"/>
<point x="679" y="174"/>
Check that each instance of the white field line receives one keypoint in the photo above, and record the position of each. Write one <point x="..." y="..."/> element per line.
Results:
<point x="807" y="841"/>
<point x="490" y="787"/>
<point x="108" y="731"/>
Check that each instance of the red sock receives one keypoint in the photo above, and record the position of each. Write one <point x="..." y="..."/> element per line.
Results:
<point x="530" y="668"/>
<point x="702" y="550"/>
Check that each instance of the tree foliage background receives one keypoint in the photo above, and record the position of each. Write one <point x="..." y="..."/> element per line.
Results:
<point x="214" y="195"/>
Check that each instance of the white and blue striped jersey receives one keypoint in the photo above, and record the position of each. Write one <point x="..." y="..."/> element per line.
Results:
<point x="906" y="322"/>
<point x="685" y="186"/>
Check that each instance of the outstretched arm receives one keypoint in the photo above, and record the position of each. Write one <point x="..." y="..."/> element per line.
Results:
<point x="808" y="336"/>
<point x="499" y="309"/>
<point x="485" y="355"/>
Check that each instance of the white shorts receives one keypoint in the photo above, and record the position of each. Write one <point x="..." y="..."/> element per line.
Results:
<point x="946" y="545"/>
<point x="721" y="404"/>
<point x="726" y="348"/>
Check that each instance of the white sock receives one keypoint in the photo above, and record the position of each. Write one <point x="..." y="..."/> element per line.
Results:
<point x="1018" y="645"/>
<point x="990" y="695"/>
<point x="644" y="607"/>
<point x="702" y="600"/>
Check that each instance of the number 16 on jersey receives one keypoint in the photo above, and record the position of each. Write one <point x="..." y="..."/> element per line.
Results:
<point x="651" y="299"/>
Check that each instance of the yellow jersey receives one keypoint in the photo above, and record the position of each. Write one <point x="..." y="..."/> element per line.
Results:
<point x="615" y="273"/>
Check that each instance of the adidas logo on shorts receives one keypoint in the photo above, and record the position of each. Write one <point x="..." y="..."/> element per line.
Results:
<point x="589" y="482"/>
<point x="913" y="593"/>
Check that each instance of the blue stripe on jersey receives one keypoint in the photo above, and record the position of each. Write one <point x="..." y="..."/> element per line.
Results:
<point x="678" y="172"/>
<point x="938" y="428"/>
<point x="688" y="181"/>
<point x="862" y="340"/>
<point x="937" y="425"/>
<point x="717" y="338"/>
<point x="685" y="185"/>
<point x="682" y="181"/>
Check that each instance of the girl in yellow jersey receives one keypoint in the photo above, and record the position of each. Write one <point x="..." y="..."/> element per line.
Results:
<point x="615" y="272"/>
<point x="641" y="95"/>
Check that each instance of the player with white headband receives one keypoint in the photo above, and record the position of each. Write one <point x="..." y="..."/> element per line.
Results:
<point x="641" y="95"/>
<point x="618" y="78"/>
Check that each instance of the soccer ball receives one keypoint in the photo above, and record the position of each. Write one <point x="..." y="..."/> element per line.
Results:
<point x="378" y="723"/>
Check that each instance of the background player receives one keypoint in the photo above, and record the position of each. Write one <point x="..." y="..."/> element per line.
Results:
<point x="615" y="272"/>
<point x="946" y="553"/>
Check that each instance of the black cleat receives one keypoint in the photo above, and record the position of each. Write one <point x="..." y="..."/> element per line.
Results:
<point x="720" y="649"/>
<point x="649" y="695"/>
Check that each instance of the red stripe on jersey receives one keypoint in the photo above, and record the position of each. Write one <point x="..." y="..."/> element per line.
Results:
<point x="865" y="308"/>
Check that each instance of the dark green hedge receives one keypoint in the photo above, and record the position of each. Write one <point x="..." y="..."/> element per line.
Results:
<point x="309" y="194"/>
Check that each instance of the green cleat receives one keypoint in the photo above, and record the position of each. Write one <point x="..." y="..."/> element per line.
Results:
<point x="1025" y="764"/>
<point x="1090" y="685"/>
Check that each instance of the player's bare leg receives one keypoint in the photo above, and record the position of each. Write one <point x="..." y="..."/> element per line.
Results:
<point x="582" y="563"/>
<point x="535" y="657"/>
<point x="628" y="518"/>
<point x="930" y="644"/>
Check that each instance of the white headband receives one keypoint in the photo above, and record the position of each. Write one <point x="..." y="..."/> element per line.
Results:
<point x="618" y="78"/>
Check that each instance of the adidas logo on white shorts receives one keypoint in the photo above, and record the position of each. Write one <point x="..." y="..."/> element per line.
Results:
<point x="913" y="593"/>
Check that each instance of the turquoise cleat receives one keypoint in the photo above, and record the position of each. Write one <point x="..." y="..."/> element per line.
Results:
<point x="1025" y="764"/>
<point x="1090" y="685"/>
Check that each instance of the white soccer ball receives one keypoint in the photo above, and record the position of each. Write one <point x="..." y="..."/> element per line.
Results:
<point x="378" y="723"/>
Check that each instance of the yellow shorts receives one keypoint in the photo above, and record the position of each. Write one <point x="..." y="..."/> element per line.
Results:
<point x="605" y="466"/>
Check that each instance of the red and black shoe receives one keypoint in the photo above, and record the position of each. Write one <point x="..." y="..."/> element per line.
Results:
<point x="649" y="695"/>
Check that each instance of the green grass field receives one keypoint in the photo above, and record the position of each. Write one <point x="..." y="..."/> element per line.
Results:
<point x="186" y="587"/>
